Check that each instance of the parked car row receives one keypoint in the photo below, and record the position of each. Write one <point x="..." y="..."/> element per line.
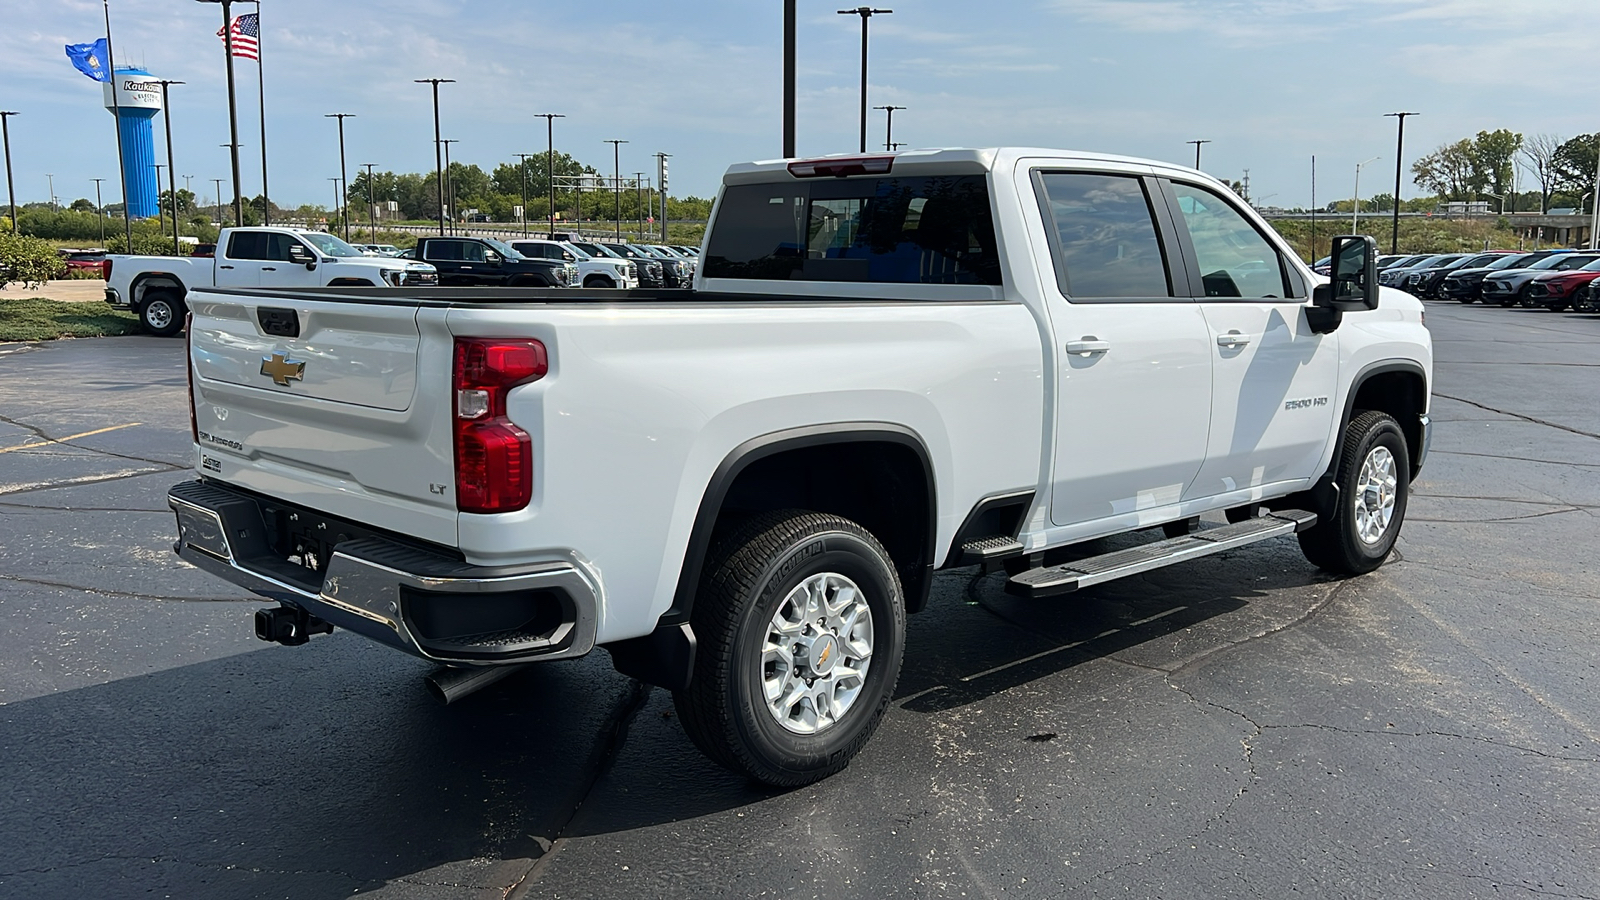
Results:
<point x="1552" y="279"/>
<point x="548" y="263"/>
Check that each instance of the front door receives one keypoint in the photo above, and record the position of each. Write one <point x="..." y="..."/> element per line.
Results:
<point x="278" y="270"/>
<point x="1133" y="374"/>
<point x="1273" y="379"/>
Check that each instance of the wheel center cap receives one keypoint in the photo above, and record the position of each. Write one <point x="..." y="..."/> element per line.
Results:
<point x="824" y="654"/>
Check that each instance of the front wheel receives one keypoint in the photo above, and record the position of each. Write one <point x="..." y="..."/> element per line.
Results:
<point x="1374" y="479"/>
<point x="800" y="620"/>
<point x="162" y="314"/>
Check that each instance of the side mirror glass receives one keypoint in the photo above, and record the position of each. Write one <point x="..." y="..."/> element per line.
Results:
<point x="492" y="258"/>
<point x="300" y="255"/>
<point x="1352" y="283"/>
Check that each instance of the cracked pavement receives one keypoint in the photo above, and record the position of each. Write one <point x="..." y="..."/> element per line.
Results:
<point x="1242" y="725"/>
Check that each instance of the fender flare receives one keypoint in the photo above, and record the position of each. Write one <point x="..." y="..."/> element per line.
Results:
<point x="140" y="279"/>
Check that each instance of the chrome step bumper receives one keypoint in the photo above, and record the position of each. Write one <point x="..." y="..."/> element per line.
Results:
<point x="404" y="596"/>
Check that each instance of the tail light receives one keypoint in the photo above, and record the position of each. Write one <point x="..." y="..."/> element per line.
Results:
<point x="105" y="269"/>
<point x="188" y="366"/>
<point x="494" y="458"/>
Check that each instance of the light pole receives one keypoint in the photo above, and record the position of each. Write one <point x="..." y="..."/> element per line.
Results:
<point x="99" y="211"/>
<point x="616" y="178"/>
<point x="438" y="166"/>
<point x="218" y="183"/>
<point x="372" y="206"/>
<point x="661" y="189"/>
<point x="186" y="185"/>
<point x="638" y="196"/>
<point x="450" y="190"/>
<point x="1197" y="151"/>
<point x="522" y="167"/>
<point x="233" y="117"/>
<point x="336" y="192"/>
<point x="51" y="180"/>
<point x="1399" y="154"/>
<point x="116" y="110"/>
<point x="172" y="171"/>
<point x="1501" y="198"/>
<point x="11" y="191"/>
<point x="865" y="12"/>
<point x="1594" y="215"/>
<point x="1356" y="206"/>
<point x="342" y="174"/>
<point x="888" y="130"/>
<point x="788" y="77"/>
<point x="550" y="167"/>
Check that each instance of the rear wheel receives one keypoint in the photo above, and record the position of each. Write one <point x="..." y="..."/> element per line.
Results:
<point x="162" y="313"/>
<point x="1374" y="479"/>
<point x="800" y="620"/>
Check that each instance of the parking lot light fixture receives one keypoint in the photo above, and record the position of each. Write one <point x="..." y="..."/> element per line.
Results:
<point x="1197" y="145"/>
<point x="438" y="163"/>
<point x="218" y="183"/>
<point x="450" y="190"/>
<point x="550" y="167"/>
<point x="345" y="201"/>
<point x="336" y="193"/>
<point x="172" y="170"/>
<point x="865" y="12"/>
<point x="99" y="210"/>
<point x="522" y="169"/>
<point x="888" y="130"/>
<point x="1399" y="154"/>
<point x="616" y="178"/>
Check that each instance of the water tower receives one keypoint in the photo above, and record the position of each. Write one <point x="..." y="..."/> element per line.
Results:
<point x="138" y="99"/>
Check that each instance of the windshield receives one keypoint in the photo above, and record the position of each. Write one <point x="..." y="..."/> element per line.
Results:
<point x="1515" y="261"/>
<point x="1473" y="262"/>
<point x="625" y="250"/>
<point x="594" y="249"/>
<point x="329" y="244"/>
<point x="577" y="251"/>
<point x="504" y="249"/>
<point x="1552" y="261"/>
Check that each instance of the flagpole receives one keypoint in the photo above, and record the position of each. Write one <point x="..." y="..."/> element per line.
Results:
<point x="116" y="113"/>
<point x="261" y="101"/>
<point x="233" y="110"/>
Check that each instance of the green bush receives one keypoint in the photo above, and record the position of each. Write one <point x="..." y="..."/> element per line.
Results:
<point x="145" y="243"/>
<point x="28" y="260"/>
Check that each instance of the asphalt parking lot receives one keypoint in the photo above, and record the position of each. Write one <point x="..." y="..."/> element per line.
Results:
<point x="1238" y="726"/>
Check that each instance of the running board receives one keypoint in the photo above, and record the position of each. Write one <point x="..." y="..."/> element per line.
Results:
<point x="1064" y="579"/>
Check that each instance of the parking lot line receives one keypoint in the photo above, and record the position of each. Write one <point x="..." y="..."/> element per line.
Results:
<point x="70" y="437"/>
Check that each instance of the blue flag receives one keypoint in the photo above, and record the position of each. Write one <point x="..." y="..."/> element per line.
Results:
<point x="90" y="59"/>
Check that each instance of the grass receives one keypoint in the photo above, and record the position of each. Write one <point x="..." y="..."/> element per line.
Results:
<point x="38" y="319"/>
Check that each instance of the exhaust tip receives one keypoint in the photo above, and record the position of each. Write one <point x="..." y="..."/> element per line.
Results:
<point x="451" y="683"/>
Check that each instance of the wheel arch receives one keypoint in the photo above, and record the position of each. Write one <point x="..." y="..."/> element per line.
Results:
<point x="352" y="282"/>
<point x="1398" y="387"/>
<point x="894" y="497"/>
<point x="146" y="281"/>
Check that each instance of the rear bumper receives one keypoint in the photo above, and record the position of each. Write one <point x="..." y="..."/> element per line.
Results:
<point x="425" y="603"/>
<point x="115" y="299"/>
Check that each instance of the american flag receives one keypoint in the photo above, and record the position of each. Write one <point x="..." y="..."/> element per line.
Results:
<point x="246" y="35"/>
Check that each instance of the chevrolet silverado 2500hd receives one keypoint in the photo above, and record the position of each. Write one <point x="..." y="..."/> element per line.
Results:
<point x="154" y="287"/>
<point x="887" y="365"/>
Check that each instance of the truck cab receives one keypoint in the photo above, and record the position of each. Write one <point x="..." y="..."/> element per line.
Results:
<point x="485" y="262"/>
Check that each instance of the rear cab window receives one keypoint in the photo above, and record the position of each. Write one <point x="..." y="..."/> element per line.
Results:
<point x="889" y="230"/>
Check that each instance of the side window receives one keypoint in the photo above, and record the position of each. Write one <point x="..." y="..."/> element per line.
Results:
<point x="443" y="251"/>
<point x="471" y="251"/>
<point x="278" y="246"/>
<point x="247" y="245"/>
<point x="1105" y="236"/>
<point x="1234" y="259"/>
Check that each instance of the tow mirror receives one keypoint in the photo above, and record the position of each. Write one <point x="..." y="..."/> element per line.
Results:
<point x="1352" y="282"/>
<point x="300" y="255"/>
<point x="492" y="258"/>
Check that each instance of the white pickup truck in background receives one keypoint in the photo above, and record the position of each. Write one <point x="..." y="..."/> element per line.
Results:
<point x="889" y="364"/>
<point x="154" y="287"/>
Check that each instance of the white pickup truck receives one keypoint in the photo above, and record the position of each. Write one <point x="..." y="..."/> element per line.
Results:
<point x="888" y="365"/>
<point x="154" y="287"/>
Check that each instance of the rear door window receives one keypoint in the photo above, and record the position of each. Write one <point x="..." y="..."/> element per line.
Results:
<point x="444" y="251"/>
<point x="247" y="245"/>
<point x="929" y="230"/>
<point x="1104" y="236"/>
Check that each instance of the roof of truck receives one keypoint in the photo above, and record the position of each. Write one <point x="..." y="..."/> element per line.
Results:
<point x="946" y="159"/>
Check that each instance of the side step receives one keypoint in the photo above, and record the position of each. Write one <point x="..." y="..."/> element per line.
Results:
<point x="1051" y="581"/>
<point x="982" y="550"/>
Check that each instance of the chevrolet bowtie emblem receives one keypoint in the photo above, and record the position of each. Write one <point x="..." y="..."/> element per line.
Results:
<point x="283" y="370"/>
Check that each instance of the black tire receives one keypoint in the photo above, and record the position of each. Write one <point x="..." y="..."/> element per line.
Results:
<point x="162" y="313"/>
<point x="749" y="576"/>
<point x="598" y="281"/>
<point x="1335" y="543"/>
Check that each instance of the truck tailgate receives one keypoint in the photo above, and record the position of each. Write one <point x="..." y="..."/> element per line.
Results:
<point x="315" y="401"/>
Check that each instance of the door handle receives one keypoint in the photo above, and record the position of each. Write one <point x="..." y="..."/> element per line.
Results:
<point x="1232" y="340"/>
<point x="269" y="268"/>
<point x="1088" y="345"/>
<point x="224" y="267"/>
<point x="466" y="268"/>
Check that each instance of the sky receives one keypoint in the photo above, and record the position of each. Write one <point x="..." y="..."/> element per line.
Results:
<point x="1269" y="82"/>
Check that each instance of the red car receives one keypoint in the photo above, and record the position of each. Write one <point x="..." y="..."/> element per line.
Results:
<point x="84" y="261"/>
<point x="1558" y="290"/>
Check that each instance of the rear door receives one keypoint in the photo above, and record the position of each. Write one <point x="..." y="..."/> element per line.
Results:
<point x="446" y="255"/>
<point x="239" y="261"/>
<point x="1273" y="379"/>
<point x="1133" y="375"/>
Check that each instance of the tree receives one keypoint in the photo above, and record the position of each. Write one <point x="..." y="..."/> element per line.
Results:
<point x="1539" y="152"/>
<point x="1574" y="164"/>
<point x="28" y="260"/>
<point x="1447" y="171"/>
<point x="82" y="204"/>
<point x="1493" y="156"/>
